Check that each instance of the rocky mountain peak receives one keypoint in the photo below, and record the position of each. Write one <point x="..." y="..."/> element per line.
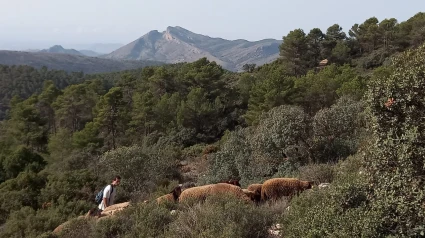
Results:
<point x="177" y="44"/>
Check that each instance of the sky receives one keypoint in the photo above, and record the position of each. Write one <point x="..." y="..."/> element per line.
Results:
<point x="41" y="23"/>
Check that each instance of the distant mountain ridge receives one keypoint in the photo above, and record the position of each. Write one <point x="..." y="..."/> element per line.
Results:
<point x="100" y="48"/>
<point x="90" y="53"/>
<point x="58" y="49"/>
<point x="70" y="62"/>
<point x="177" y="44"/>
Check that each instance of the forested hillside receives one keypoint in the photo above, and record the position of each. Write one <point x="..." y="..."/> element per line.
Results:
<point x="356" y="123"/>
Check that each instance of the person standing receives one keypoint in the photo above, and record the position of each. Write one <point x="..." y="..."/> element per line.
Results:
<point x="109" y="193"/>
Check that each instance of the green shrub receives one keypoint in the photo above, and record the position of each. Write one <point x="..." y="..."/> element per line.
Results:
<point x="395" y="163"/>
<point x="338" y="211"/>
<point x="220" y="216"/>
<point x="28" y="222"/>
<point x="140" y="220"/>
<point x="78" y="228"/>
<point x="287" y="138"/>
<point x="319" y="173"/>
<point x="32" y="222"/>
<point x="70" y="186"/>
<point x="21" y="160"/>
<point x="192" y="151"/>
<point x="20" y="192"/>
<point x="141" y="169"/>
<point x="149" y="220"/>
<point x="277" y="144"/>
<point x="337" y="130"/>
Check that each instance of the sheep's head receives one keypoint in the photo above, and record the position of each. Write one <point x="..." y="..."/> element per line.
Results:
<point x="176" y="192"/>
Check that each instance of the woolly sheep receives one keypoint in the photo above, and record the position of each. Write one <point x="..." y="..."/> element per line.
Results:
<point x="275" y="188"/>
<point x="232" y="181"/>
<point x="250" y="194"/>
<point x="202" y="192"/>
<point x="171" y="196"/>
<point x="256" y="188"/>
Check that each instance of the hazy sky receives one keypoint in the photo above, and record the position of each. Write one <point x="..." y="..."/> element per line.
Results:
<point x="46" y="22"/>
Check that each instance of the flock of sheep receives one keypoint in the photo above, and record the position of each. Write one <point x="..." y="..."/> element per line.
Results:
<point x="271" y="189"/>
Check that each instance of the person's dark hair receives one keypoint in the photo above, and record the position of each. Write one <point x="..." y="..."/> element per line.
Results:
<point x="117" y="177"/>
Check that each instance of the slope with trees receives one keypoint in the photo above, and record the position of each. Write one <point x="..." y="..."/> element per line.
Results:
<point x="355" y="123"/>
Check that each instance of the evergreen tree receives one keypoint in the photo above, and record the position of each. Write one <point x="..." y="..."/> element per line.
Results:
<point x="293" y="52"/>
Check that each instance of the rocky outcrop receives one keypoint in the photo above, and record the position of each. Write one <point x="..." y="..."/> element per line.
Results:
<point x="107" y="213"/>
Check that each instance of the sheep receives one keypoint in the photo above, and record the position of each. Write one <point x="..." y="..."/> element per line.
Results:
<point x="202" y="192"/>
<point x="196" y="193"/>
<point x="278" y="187"/>
<point x="250" y="194"/>
<point x="188" y="185"/>
<point x="171" y="196"/>
<point x="256" y="188"/>
<point x="231" y="181"/>
<point x="115" y="208"/>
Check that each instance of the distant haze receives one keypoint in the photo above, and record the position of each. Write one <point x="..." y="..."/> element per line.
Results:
<point x="29" y="24"/>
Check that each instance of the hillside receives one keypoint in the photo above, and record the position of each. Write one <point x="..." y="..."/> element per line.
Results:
<point x="177" y="44"/>
<point x="58" y="49"/>
<point x="70" y="63"/>
<point x="354" y="125"/>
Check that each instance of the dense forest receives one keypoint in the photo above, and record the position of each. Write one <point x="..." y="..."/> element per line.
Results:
<point x="356" y="122"/>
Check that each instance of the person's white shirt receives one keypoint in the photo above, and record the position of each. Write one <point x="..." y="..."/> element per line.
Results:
<point x="109" y="197"/>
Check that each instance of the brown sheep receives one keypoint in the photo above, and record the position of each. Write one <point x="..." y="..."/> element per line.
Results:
<point x="188" y="185"/>
<point x="250" y="194"/>
<point x="202" y="192"/>
<point x="198" y="193"/>
<point x="232" y="181"/>
<point x="111" y="210"/>
<point x="171" y="196"/>
<point x="275" y="188"/>
<point x="256" y="188"/>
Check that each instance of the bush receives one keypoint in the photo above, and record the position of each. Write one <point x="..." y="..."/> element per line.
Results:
<point x="338" y="211"/>
<point x="149" y="220"/>
<point x="319" y="173"/>
<point x="30" y="223"/>
<point x="21" y="160"/>
<point x="70" y="186"/>
<point x="141" y="169"/>
<point x="140" y="220"/>
<point x="395" y="163"/>
<point x="19" y="192"/>
<point x="337" y="130"/>
<point x="277" y="144"/>
<point x="78" y="228"/>
<point x="193" y="151"/>
<point x="221" y="216"/>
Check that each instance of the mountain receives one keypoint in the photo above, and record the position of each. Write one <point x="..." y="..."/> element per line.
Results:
<point x="89" y="53"/>
<point x="101" y="48"/>
<point x="60" y="50"/>
<point x="57" y="49"/>
<point x="69" y="62"/>
<point x="177" y="44"/>
<point x="31" y="50"/>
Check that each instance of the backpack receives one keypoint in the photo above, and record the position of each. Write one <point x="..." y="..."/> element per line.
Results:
<point x="99" y="196"/>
